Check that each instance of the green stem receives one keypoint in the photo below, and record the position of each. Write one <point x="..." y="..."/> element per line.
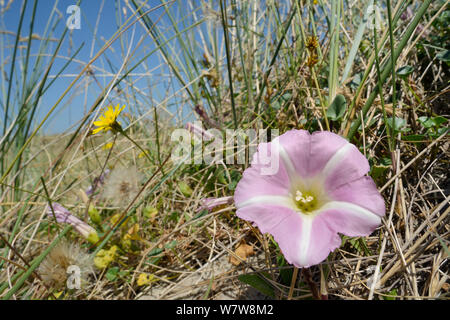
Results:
<point x="137" y="145"/>
<point x="227" y="50"/>
<point x="394" y="100"/>
<point x="380" y="87"/>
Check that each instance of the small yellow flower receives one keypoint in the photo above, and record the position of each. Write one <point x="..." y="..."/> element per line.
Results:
<point x="107" y="146"/>
<point x="144" y="279"/>
<point x="108" y="121"/>
<point x="133" y="233"/>
<point x="105" y="257"/>
<point x="141" y="155"/>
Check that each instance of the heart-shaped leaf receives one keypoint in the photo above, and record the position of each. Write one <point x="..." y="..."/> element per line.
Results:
<point x="444" y="56"/>
<point x="337" y="108"/>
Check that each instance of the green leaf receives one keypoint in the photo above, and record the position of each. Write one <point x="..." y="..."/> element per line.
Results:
<point x="171" y="244"/>
<point x="202" y="213"/>
<point x="444" y="56"/>
<point x="439" y="120"/>
<point x="356" y="81"/>
<point x="378" y="170"/>
<point x="386" y="161"/>
<point x="221" y="177"/>
<point x="94" y="215"/>
<point x="185" y="189"/>
<point x="360" y="245"/>
<point x="257" y="282"/>
<point x="286" y="97"/>
<point x="405" y="71"/>
<point x="111" y="274"/>
<point x="337" y="108"/>
<point x="275" y="105"/>
<point x="150" y="212"/>
<point x="235" y="177"/>
<point x="155" y="252"/>
<point x="285" y="273"/>
<point x="400" y="123"/>
<point x="391" y="295"/>
<point x="426" y="121"/>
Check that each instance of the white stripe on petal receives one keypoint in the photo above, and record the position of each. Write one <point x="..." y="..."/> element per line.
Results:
<point x="283" y="201"/>
<point x="305" y="239"/>
<point x="353" y="208"/>
<point x="337" y="158"/>
<point x="292" y="173"/>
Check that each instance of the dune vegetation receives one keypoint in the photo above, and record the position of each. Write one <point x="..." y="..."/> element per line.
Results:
<point x="104" y="208"/>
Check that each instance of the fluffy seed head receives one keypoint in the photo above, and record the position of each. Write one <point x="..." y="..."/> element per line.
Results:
<point x="54" y="269"/>
<point x="121" y="186"/>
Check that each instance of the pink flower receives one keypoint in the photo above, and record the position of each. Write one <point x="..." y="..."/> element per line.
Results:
<point x="319" y="190"/>
<point x="98" y="181"/>
<point x="63" y="215"/>
<point x="211" y="203"/>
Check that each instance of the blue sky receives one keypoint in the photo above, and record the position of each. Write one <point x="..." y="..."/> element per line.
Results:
<point x="107" y="15"/>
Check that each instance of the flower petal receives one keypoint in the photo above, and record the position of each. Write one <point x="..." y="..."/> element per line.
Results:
<point x="322" y="241"/>
<point x="310" y="153"/>
<point x="284" y="201"/>
<point x="296" y="145"/>
<point x="305" y="241"/>
<point x="348" y="218"/>
<point x="99" y="123"/>
<point x="254" y="183"/>
<point x="346" y="165"/>
<point x="362" y="192"/>
<point x="266" y="217"/>
<point x="324" y="145"/>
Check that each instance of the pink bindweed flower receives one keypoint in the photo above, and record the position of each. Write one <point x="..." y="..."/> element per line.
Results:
<point x="63" y="215"/>
<point x="320" y="189"/>
<point x="210" y="203"/>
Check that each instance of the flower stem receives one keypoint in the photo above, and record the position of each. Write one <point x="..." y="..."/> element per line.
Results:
<point x="137" y="145"/>
<point x="312" y="285"/>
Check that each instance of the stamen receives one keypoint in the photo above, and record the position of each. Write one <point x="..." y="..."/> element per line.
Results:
<point x="305" y="201"/>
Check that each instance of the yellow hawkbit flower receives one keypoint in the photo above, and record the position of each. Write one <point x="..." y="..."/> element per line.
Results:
<point x="312" y="43"/>
<point x="108" y="121"/>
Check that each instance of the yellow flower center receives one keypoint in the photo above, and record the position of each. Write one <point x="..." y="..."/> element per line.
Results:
<point x="305" y="201"/>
